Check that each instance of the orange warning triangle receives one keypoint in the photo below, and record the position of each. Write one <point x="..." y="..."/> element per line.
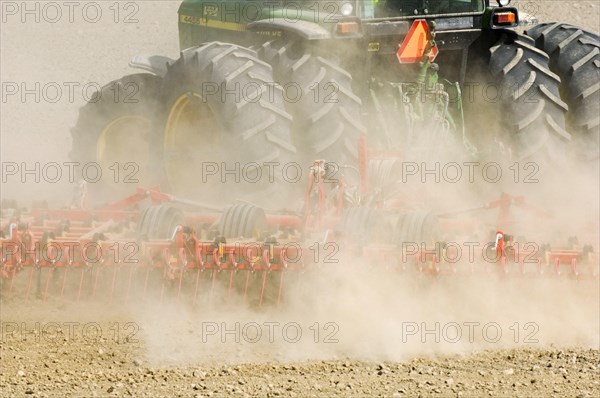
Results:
<point x="414" y="44"/>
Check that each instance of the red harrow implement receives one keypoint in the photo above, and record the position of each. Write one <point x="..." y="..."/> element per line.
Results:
<point x="116" y="253"/>
<point x="119" y="252"/>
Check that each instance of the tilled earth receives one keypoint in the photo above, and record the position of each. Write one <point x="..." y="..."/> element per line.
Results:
<point x="58" y="360"/>
<point x="63" y="361"/>
<point x="60" y="348"/>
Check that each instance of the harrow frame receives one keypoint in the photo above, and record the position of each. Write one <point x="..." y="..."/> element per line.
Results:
<point x="70" y="245"/>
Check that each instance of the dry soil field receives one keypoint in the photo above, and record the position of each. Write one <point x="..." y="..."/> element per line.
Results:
<point x="344" y="339"/>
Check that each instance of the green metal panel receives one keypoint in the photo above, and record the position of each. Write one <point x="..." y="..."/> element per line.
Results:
<point x="226" y="20"/>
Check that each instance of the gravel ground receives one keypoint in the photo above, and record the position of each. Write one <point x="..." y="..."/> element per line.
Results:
<point x="113" y="370"/>
<point x="492" y="339"/>
<point x="166" y="356"/>
<point x="99" y="353"/>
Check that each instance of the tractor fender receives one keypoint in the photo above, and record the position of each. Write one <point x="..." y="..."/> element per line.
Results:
<point x="156" y="64"/>
<point x="306" y="30"/>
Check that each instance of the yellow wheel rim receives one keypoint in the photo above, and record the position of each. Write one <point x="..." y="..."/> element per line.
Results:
<point x="124" y="140"/>
<point x="190" y="136"/>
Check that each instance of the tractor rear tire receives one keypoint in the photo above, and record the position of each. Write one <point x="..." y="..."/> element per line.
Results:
<point x="116" y="126"/>
<point x="531" y="100"/>
<point x="219" y="108"/>
<point x="327" y="114"/>
<point x="575" y="57"/>
<point x="384" y="173"/>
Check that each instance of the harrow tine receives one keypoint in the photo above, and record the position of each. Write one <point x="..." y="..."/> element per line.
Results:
<point x="29" y="283"/>
<point x="180" y="280"/>
<point x="212" y="285"/>
<point x="38" y="284"/>
<point x="262" y="288"/>
<point x="80" y="283"/>
<point x="196" y="288"/>
<point x="12" y="280"/>
<point x="129" y="283"/>
<point x="64" y="280"/>
<point x="230" y="285"/>
<point x="146" y="282"/>
<point x="114" y="279"/>
<point x="97" y="272"/>
<point x="280" y="288"/>
<point x="50" y="273"/>
<point x="246" y="286"/>
<point x="574" y="267"/>
<point x="503" y="265"/>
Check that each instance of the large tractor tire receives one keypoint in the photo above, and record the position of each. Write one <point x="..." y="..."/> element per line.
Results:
<point x="531" y="104"/>
<point x="327" y="114"/>
<point x="220" y="113"/>
<point x="115" y="130"/>
<point x="575" y="57"/>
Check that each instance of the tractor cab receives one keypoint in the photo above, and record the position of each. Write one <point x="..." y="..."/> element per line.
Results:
<point x="412" y="8"/>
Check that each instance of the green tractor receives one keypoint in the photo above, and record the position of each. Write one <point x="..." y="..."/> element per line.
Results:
<point x="265" y="82"/>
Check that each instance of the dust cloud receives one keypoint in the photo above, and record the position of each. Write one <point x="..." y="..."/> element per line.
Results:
<point x="361" y="312"/>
